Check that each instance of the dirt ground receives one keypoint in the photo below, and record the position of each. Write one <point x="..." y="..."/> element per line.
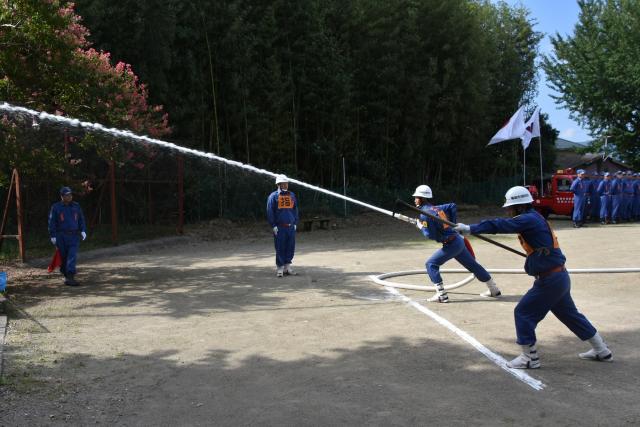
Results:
<point x="201" y="332"/>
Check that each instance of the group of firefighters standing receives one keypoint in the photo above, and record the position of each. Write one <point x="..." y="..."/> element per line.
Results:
<point x="606" y="198"/>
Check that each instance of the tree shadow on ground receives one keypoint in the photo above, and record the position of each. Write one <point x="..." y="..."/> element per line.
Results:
<point x="385" y="382"/>
<point x="176" y="292"/>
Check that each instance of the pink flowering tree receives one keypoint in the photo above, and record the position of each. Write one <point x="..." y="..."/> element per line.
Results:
<point x="46" y="63"/>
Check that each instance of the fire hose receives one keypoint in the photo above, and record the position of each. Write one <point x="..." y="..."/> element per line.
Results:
<point x="380" y="279"/>
<point x="453" y="224"/>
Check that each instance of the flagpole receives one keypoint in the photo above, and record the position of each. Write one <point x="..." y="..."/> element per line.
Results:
<point x="524" y="166"/>
<point x="541" y="177"/>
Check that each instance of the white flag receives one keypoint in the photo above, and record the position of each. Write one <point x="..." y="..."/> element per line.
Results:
<point x="531" y="128"/>
<point x="512" y="130"/>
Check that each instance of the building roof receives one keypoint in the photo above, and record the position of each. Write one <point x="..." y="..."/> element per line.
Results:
<point x="565" y="144"/>
<point x="567" y="156"/>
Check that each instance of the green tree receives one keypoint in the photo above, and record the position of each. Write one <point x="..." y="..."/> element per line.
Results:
<point x="595" y="71"/>
<point x="47" y="64"/>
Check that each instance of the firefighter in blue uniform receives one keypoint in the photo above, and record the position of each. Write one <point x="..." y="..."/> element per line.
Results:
<point x="551" y="290"/>
<point x="627" y="196"/>
<point x="66" y="227"/>
<point x="594" y="197"/>
<point x="453" y="245"/>
<point x="604" y="190"/>
<point x="616" y="198"/>
<point x="282" y="214"/>
<point x="579" y="190"/>
<point x="636" y="196"/>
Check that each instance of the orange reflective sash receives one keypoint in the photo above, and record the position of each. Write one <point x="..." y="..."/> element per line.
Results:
<point x="443" y="216"/>
<point x="530" y="249"/>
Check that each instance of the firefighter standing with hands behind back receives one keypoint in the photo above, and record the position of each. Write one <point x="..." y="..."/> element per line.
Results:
<point x="282" y="214"/>
<point x="579" y="188"/>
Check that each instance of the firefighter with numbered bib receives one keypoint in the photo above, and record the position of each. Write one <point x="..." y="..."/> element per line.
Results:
<point x="453" y="245"/>
<point x="551" y="289"/>
<point x="282" y="214"/>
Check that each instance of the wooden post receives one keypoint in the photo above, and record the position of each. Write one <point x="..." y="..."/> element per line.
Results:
<point x="114" y="211"/>
<point x="21" y="248"/>
<point x="14" y="185"/>
<point x="180" y="194"/>
<point x="150" y="197"/>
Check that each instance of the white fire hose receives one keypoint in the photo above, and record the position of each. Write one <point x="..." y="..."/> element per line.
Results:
<point x="380" y="279"/>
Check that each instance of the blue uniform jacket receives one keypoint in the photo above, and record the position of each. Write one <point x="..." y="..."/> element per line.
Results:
<point x="435" y="230"/>
<point x="616" y="187"/>
<point x="66" y="219"/>
<point x="536" y="237"/>
<point x="604" y="188"/>
<point x="282" y="208"/>
<point x="579" y="187"/>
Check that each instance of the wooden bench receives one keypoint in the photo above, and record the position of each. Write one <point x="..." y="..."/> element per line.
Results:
<point x="323" y="223"/>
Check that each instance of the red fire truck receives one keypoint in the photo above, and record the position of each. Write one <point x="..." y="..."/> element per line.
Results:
<point x="557" y="198"/>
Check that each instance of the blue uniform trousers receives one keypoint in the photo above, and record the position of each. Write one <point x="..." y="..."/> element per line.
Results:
<point x="616" y="202"/>
<point x="605" y="208"/>
<point x="595" y="207"/>
<point x="629" y="206"/>
<point x="579" y="203"/>
<point x="551" y="293"/>
<point x="68" y="245"/>
<point x="454" y="249"/>
<point x="285" y="243"/>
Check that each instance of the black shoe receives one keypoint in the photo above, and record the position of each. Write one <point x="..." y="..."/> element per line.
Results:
<point x="70" y="281"/>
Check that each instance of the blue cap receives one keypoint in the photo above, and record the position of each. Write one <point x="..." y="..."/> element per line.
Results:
<point x="607" y="174"/>
<point x="579" y="171"/>
<point x="65" y="190"/>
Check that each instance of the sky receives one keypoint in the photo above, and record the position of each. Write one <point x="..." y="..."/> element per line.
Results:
<point x="551" y="17"/>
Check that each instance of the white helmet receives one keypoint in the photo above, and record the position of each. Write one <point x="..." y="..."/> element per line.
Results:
<point x="517" y="195"/>
<point x="423" y="191"/>
<point x="281" y="179"/>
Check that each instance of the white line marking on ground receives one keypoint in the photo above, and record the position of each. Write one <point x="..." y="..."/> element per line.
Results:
<point x="495" y="358"/>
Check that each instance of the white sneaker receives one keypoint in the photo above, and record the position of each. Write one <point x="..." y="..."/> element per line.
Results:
<point x="604" y="356"/>
<point x="438" y="297"/>
<point x="289" y="270"/>
<point x="492" y="292"/>
<point x="280" y="272"/>
<point x="524" y="362"/>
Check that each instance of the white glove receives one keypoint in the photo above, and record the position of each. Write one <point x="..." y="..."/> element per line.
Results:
<point x="419" y="225"/>
<point x="275" y="230"/>
<point x="406" y="219"/>
<point x="462" y="228"/>
<point x="84" y="235"/>
<point x="54" y="240"/>
<point x="295" y="227"/>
